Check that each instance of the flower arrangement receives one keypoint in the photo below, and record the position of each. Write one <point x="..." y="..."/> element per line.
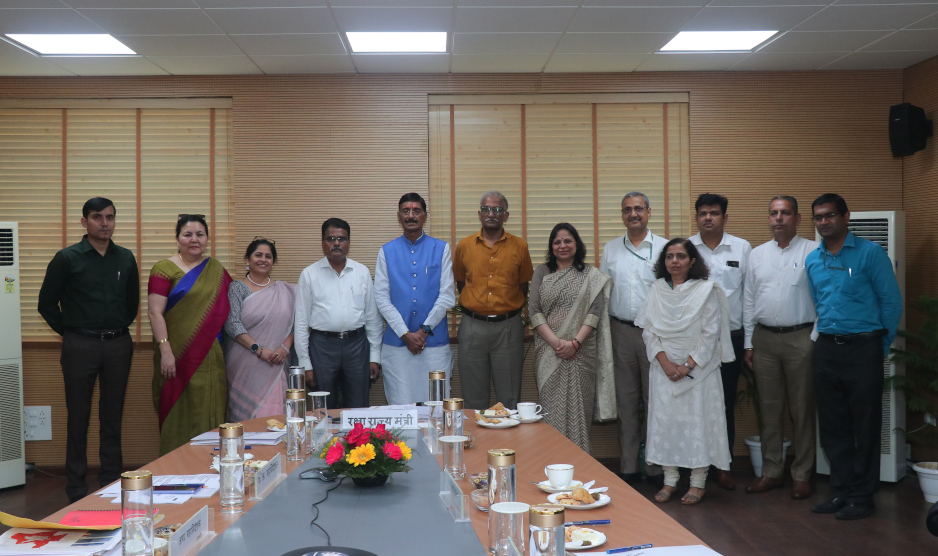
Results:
<point x="366" y="453"/>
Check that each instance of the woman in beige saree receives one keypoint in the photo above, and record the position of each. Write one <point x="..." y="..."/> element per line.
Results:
<point x="569" y="311"/>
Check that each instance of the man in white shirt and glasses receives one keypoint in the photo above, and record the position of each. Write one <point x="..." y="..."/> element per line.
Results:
<point x="337" y="327"/>
<point x="726" y="257"/>
<point x="630" y="261"/>
<point x="778" y="315"/>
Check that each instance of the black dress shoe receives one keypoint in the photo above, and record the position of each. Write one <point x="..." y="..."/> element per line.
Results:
<point x="630" y="478"/>
<point x="856" y="510"/>
<point x="657" y="480"/>
<point x="832" y="506"/>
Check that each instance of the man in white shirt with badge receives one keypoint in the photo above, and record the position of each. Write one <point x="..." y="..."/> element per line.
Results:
<point x="337" y="327"/>
<point x="726" y="257"/>
<point x="778" y="315"/>
<point x="630" y="261"/>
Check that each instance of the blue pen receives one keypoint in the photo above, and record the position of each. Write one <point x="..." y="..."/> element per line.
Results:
<point x="593" y="522"/>
<point x="246" y="448"/>
<point x="628" y="548"/>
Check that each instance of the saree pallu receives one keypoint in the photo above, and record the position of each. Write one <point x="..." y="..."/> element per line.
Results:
<point x="254" y="384"/>
<point x="194" y="401"/>
<point x="575" y="391"/>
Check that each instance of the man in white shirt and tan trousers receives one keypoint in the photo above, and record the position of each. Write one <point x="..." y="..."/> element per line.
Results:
<point x="630" y="261"/>
<point x="337" y="327"/>
<point x="726" y="258"/>
<point x="778" y="315"/>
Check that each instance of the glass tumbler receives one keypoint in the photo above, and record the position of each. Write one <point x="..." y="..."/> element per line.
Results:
<point x="137" y="513"/>
<point x="296" y="424"/>
<point x="318" y="404"/>
<point x="437" y="386"/>
<point x="231" y="467"/>
<point x="452" y="417"/>
<point x="506" y="522"/>
<point x="436" y="416"/>
<point x="502" y="486"/>
<point x="296" y="378"/>
<point x="547" y="531"/>
<point x="452" y="456"/>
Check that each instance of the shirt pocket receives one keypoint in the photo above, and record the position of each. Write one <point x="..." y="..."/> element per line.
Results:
<point x="729" y="277"/>
<point x="796" y="276"/>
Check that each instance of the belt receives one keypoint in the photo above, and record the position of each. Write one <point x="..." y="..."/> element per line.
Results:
<point x="100" y="334"/>
<point x="347" y="335"/>
<point x="490" y="318"/>
<point x="849" y="338"/>
<point x="786" y="329"/>
<point x="623" y="321"/>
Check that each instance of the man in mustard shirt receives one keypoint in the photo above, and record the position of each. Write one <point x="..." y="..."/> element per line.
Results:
<point x="492" y="269"/>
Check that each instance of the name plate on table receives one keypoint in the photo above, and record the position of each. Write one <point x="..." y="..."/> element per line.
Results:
<point x="267" y="476"/>
<point x="454" y="501"/>
<point x="194" y="533"/>
<point x="370" y="418"/>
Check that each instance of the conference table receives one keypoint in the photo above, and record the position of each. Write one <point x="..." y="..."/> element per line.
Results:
<point x="406" y="515"/>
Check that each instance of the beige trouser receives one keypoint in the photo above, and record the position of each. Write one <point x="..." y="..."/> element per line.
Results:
<point x="631" y="375"/>
<point x="782" y="363"/>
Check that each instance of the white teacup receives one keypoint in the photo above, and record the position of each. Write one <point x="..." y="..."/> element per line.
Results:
<point x="560" y="475"/>
<point x="528" y="410"/>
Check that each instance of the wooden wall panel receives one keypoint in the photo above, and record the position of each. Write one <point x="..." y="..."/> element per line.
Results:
<point x="306" y="148"/>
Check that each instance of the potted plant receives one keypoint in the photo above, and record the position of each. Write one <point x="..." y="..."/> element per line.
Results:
<point x="919" y="386"/>
<point x="367" y="455"/>
<point x="750" y="394"/>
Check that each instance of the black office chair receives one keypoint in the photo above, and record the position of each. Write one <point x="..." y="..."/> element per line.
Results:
<point x="931" y="520"/>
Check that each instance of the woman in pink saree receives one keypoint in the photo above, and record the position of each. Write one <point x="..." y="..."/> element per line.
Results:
<point x="260" y="334"/>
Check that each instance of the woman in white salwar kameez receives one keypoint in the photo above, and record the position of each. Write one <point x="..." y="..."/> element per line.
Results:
<point x="685" y="322"/>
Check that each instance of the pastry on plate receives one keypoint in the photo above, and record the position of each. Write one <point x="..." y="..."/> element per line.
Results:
<point x="275" y="424"/>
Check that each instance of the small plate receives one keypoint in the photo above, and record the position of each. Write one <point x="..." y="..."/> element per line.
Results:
<point x="546" y="486"/>
<point x="503" y="423"/>
<point x="275" y="429"/>
<point x="603" y="500"/>
<point x="534" y="419"/>
<point x="491" y="414"/>
<point x="595" y="537"/>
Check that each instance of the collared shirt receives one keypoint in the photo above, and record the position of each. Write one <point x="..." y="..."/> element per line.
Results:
<point x="82" y="289"/>
<point x="727" y="264"/>
<point x="493" y="275"/>
<point x="776" y="289"/>
<point x="855" y="291"/>
<point x="633" y="272"/>
<point x="336" y="303"/>
<point x="413" y="301"/>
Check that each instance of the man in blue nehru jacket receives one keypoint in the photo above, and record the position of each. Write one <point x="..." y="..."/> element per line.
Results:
<point x="858" y="305"/>
<point x="413" y="289"/>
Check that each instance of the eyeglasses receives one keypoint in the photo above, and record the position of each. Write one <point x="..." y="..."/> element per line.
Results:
<point x="408" y="212"/>
<point x="636" y="210"/>
<point x="825" y="216"/>
<point x="335" y="239"/>
<point x="187" y="216"/>
<point x="492" y="210"/>
<point x="824" y="260"/>
<point x="259" y="238"/>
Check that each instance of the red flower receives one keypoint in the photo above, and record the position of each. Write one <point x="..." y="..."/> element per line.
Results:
<point x="358" y="435"/>
<point x="380" y="432"/>
<point x="336" y="452"/>
<point x="393" y="451"/>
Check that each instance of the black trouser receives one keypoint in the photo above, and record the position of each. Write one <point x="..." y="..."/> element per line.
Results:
<point x="342" y="365"/>
<point x="848" y="385"/>
<point x="730" y="372"/>
<point x="83" y="361"/>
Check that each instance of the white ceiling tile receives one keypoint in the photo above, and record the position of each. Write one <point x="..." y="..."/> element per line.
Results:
<point x="158" y="4"/>
<point x="397" y="3"/>
<point x="923" y="39"/>
<point x="135" y="65"/>
<point x="304" y="64"/>
<point x="621" y="20"/>
<point x="786" y="61"/>
<point x="513" y="20"/>
<point x="505" y="43"/>
<point x="401" y="63"/>
<point x="45" y="21"/>
<point x="590" y="63"/>
<point x="206" y="65"/>
<point x="261" y="3"/>
<point x="15" y="61"/>
<point x="290" y="45"/>
<point x="650" y="3"/>
<point x="153" y="22"/>
<point x="867" y="18"/>
<point x="780" y="18"/>
<point x="864" y="2"/>
<point x="509" y="63"/>
<point x="611" y="43"/>
<point x="751" y="3"/>
<point x="815" y="41"/>
<point x="930" y="22"/>
<point x="690" y="62"/>
<point x="514" y="3"/>
<point x="259" y="21"/>
<point x="880" y="60"/>
<point x="393" y="19"/>
<point x="35" y="4"/>
<point x="180" y="45"/>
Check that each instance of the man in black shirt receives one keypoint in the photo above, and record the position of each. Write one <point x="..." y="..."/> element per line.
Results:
<point x="90" y="296"/>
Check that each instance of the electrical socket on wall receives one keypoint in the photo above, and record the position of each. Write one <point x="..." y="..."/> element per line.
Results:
<point x="929" y="419"/>
<point x="37" y="422"/>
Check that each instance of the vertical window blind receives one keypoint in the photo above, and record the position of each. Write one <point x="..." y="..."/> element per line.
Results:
<point x="154" y="162"/>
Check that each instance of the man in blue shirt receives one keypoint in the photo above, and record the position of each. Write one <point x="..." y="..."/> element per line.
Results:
<point x="858" y="306"/>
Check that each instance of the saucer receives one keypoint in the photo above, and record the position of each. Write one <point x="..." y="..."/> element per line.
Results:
<point x="503" y="423"/>
<point x="275" y="429"/>
<point x="595" y="538"/>
<point x="546" y="486"/>
<point x="603" y="500"/>
<point x="534" y="419"/>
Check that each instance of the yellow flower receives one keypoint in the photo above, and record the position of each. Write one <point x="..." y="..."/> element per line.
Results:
<point x="361" y="455"/>
<point x="328" y="445"/>
<point x="405" y="450"/>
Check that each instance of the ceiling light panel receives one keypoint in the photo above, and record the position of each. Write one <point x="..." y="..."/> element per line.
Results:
<point x="362" y="42"/>
<point x="717" y="41"/>
<point x="72" y="45"/>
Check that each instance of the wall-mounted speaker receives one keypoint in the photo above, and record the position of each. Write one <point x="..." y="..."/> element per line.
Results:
<point x="908" y="129"/>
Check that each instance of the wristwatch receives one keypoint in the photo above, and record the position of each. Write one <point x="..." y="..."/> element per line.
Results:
<point x="254" y="348"/>
<point x="426" y="328"/>
<point x="686" y="364"/>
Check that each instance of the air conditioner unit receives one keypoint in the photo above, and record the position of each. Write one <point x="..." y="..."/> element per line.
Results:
<point x="12" y="449"/>
<point x="887" y="228"/>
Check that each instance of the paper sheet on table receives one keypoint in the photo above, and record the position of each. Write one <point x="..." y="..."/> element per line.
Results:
<point x="48" y="542"/>
<point x="694" y="550"/>
<point x="259" y="438"/>
<point x="208" y="480"/>
<point x="11" y="520"/>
